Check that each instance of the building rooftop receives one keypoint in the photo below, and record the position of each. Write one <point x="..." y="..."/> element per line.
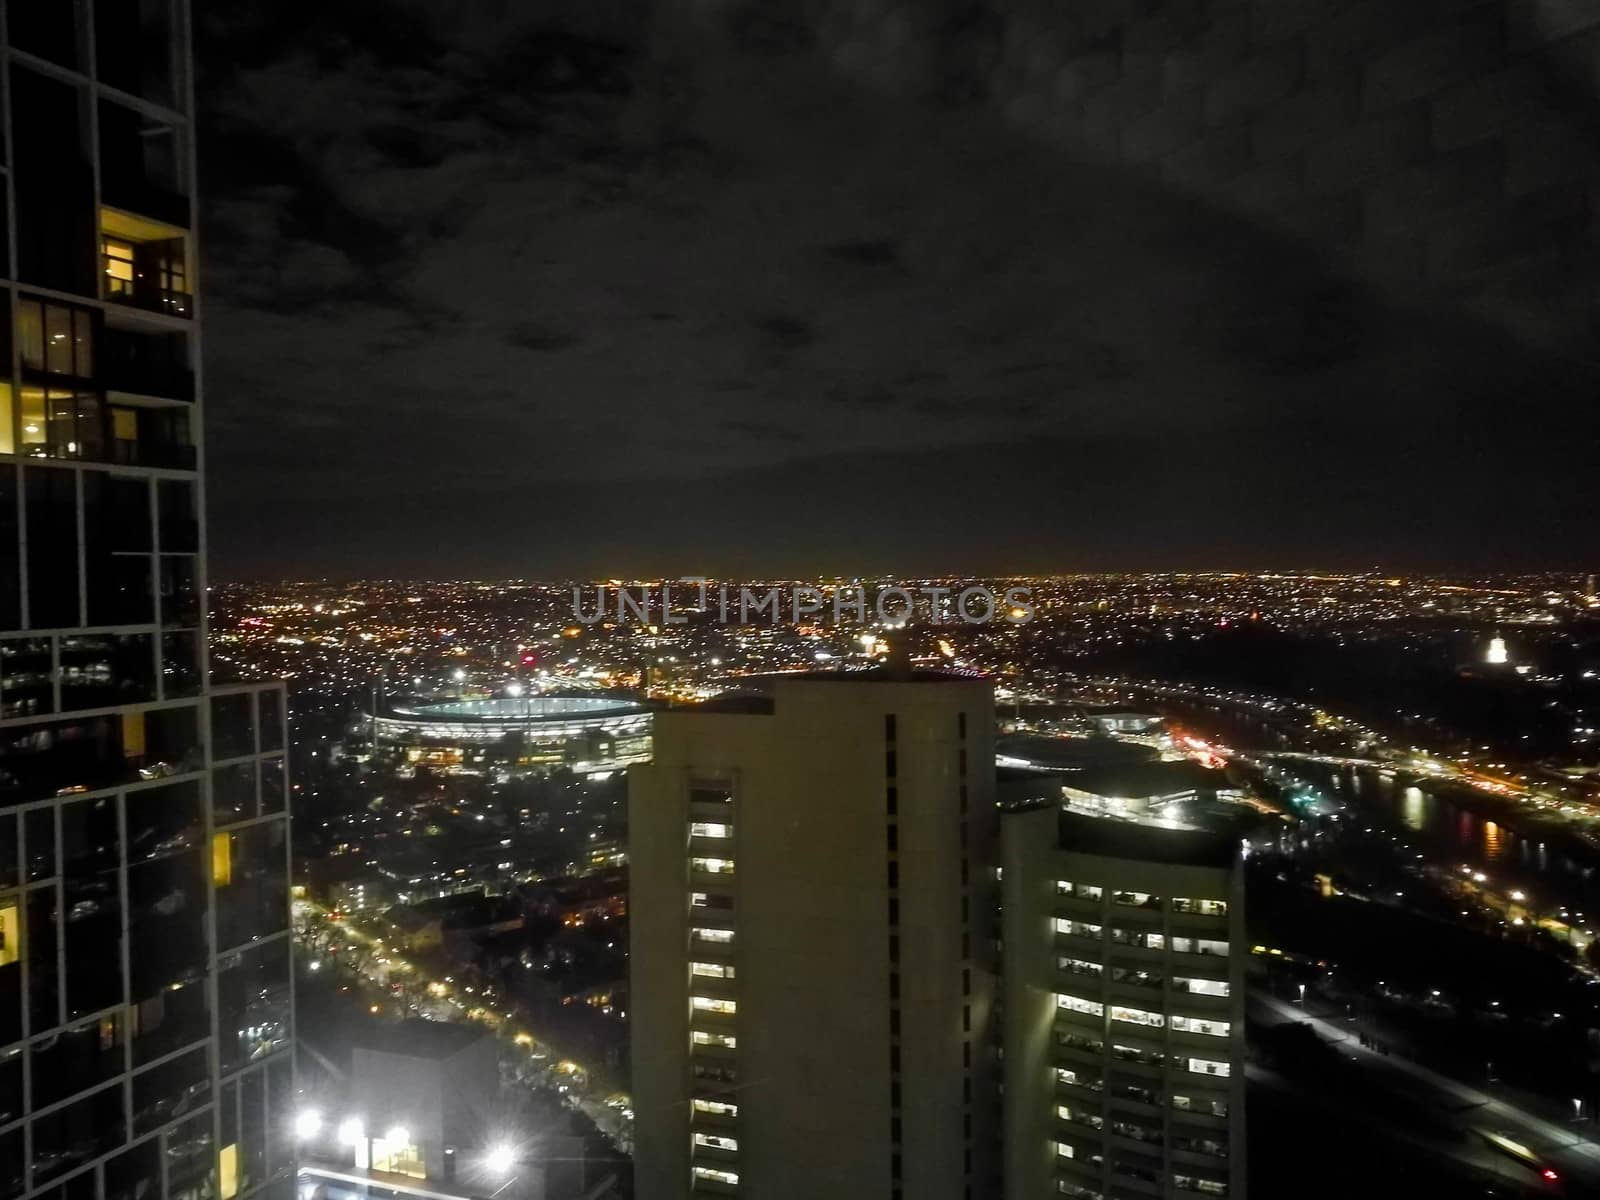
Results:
<point x="1071" y="753"/>
<point x="1214" y="847"/>
<point x="416" y="1037"/>
<point x="1146" y="780"/>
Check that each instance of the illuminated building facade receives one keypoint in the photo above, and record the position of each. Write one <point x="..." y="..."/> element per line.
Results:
<point x="812" y="992"/>
<point x="1124" y="1007"/>
<point x="513" y="735"/>
<point x="146" y="1015"/>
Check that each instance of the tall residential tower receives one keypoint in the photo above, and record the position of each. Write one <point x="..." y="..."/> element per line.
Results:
<point x="1124" y="1005"/>
<point x="813" y="976"/>
<point x="145" y="1010"/>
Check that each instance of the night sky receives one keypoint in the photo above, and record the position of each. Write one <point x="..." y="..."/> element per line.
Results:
<point x="535" y="296"/>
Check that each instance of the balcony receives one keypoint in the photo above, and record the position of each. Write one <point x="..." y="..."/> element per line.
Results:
<point x="144" y="264"/>
<point x="145" y="364"/>
<point x="133" y="452"/>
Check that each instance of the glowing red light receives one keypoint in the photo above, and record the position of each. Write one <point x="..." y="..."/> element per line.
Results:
<point x="528" y="658"/>
<point x="1550" y="1174"/>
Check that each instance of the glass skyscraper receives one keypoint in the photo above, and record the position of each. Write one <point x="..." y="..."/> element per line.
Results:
<point x="145" y="1003"/>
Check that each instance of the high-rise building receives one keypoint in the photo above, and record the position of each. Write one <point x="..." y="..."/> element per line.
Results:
<point x="145" y="1013"/>
<point x="1124" y="1005"/>
<point x="812" y="993"/>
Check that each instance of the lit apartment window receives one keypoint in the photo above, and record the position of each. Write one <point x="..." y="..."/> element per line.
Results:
<point x="1206" y="908"/>
<point x="1200" y="1025"/>
<point x="1083" y="891"/>
<point x="1201" y="987"/>
<point x="1078" y="928"/>
<point x="1185" y="945"/>
<point x="119" y="266"/>
<point x="1206" y="1187"/>
<point x="726" y="1041"/>
<point x="1136" y="899"/>
<point x="721" y="937"/>
<point x="710" y="829"/>
<point x="1137" y="1016"/>
<point x="717" y="1108"/>
<point x="1200" y="1104"/>
<point x="1079" y="966"/>
<point x="1077" y="1078"/>
<point x="713" y="1004"/>
<point x="1208" y="1066"/>
<point x="1080" y="1116"/>
<point x="711" y="970"/>
<point x="716" y="1174"/>
<point x="1079" y="1004"/>
<point x="1137" y="937"/>
<point x="1077" y="1191"/>
<point x="710" y="900"/>
<point x="716" y="1141"/>
<point x="713" y="866"/>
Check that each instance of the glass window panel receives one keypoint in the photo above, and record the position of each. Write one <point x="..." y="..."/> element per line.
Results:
<point x="11" y="1106"/>
<point x="180" y="597"/>
<point x="270" y="726"/>
<point x="58" y="341"/>
<point x="233" y="793"/>
<point x="101" y="670"/>
<point x="90" y="854"/>
<point x="232" y="725"/>
<point x="191" y="1160"/>
<point x="26" y="685"/>
<point x="135" y="1174"/>
<point x="167" y="1091"/>
<point x="255" y="901"/>
<point x="180" y="665"/>
<point x="30" y="334"/>
<point x="76" y="1059"/>
<point x="274" y="789"/>
<point x="83" y="343"/>
<point x="253" y="992"/>
<point x="77" y="1133"/>
<point x="170" y="1017"/>
<point x="39" y="829"/>
<point x="166" y="915"/>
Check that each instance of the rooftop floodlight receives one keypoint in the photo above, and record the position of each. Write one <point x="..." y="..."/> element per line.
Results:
<point x="306" y="1123"/>
<point x="351" y="1130"/>
<point x="397" y="1135"/>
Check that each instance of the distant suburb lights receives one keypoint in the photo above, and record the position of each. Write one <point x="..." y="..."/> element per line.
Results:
<point x="972" y="605"/>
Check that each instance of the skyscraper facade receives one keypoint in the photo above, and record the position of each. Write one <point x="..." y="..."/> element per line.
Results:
<point x="812" y="993"/>
<point x="1124" y="1006"/>
<point x="145" y="1014"/>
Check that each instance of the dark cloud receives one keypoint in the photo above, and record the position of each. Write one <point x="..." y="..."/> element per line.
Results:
<point x="450" y="250"/>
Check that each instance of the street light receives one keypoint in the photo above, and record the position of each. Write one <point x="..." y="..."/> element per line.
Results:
<point x="500" y="1159"/>
<point x="1302" y="994"/>
<point x="306" y="1123"/>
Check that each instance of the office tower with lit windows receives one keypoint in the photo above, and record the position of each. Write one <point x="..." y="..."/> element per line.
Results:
<point x="1124" y="1005"/>
<point x="145" y="1020"/>
<point x="812" y="993"/>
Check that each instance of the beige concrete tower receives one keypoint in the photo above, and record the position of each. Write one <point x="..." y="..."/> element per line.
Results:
<point x="813" y="954"/>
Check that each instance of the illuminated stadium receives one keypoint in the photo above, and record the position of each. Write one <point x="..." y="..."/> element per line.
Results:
<point x="513" y="734"/>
